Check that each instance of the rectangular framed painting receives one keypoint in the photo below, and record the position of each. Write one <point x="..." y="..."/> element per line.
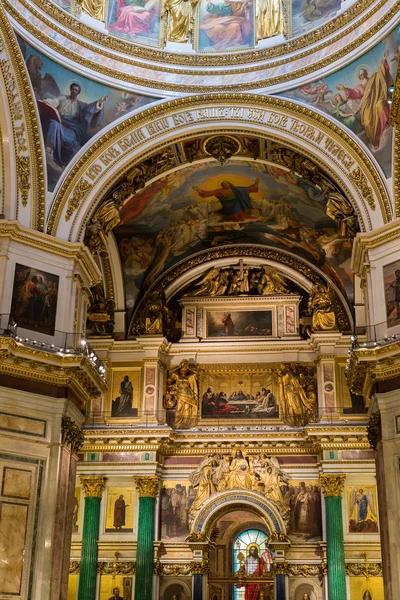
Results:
<point x="304" y="499"/>
<point x="235" y="394"/>
<point x="362" y="509"/>
<point x="239" y="323"/>
<point x="136" y="20"/>
<point x="125" y="393"/>
<point x="119" y="510"/>
<point x="225" y="25"/>
<point x="177" y="498"/>
<point x="34" y="299"/>
<point x="391" y="278"/>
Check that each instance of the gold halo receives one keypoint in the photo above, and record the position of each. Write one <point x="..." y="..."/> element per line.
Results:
<point x="358" y="69"/>
<point x="253" y="545"/>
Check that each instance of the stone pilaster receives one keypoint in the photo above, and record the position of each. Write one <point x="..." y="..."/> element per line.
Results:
<point x="333" y="487"/>
<point x="148" y="491"/>
<point x="93" y="488"/>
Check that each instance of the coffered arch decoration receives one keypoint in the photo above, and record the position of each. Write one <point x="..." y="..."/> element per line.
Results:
<point x="23" y="194"/>
<point x="286" y="123"/>
<point x="224" y="502"/>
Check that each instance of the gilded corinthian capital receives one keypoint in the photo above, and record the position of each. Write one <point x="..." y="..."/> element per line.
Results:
<point x="93" y="486"/>
<point x="147" y="486"/>
<point x="332" y="484"/>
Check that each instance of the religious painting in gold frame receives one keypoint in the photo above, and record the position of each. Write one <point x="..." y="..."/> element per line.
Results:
<point x="362" y="509"/>
<point x="124" y="395"/>
<point x="120" y="509"/>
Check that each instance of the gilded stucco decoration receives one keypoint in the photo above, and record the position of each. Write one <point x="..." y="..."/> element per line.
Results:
<point x="93" y="486"/>
<point x="147" y="486"/>
<point x="25" y="132"/>
<point x="332" y="485"/>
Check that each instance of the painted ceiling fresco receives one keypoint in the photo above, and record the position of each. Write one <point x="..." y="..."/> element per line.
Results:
<point x="357" y="96"/>
<point x="205" y="205"/>
<point x="72" y="108"/>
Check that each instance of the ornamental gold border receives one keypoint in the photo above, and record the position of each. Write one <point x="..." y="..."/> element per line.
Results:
<point x="189" y="136"/>
<point x="149" y="54"/>
<point x="169" y="108"/>
<point x="36" y="171"/>
<point x="149" y="83"/>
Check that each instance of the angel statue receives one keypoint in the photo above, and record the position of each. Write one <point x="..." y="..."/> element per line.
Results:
<point x="184" y="391"/>
<point x="363" y="517"/>
<point x="202" y="479"/>
<point x="272" y="477"/>
<point x="271" y="282"/>
<point x="320" y="306"/>
<point x="215" y="283"/>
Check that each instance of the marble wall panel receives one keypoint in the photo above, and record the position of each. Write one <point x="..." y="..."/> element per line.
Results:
<point x="13" y="522"/>
<point x="25" y="425"/>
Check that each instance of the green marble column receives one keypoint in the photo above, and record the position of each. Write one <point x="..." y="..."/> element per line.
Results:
<point x="332" y="488"/>
<point x="93" y="488"/>
<point x="148" y="491"/>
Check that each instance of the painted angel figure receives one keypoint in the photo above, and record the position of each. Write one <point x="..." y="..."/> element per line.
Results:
<point x="362" y="506"/>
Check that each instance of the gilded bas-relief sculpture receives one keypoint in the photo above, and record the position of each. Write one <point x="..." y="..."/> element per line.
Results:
<point x="218" y="473"/>
<point x="183" y="395"/>
<point x="240" y="280"/>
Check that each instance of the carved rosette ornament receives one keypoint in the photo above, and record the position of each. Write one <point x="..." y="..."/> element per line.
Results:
<point x="71" y="435"/>
<point x="93" y="486"/>
<point x="374" y="430"/>
<point x="332" y="484"/>
<point x="148" y="486"/>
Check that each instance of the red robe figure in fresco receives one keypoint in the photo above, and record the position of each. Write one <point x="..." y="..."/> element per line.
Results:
<point x="229" y="328"/>
<point x="119" y="512"/>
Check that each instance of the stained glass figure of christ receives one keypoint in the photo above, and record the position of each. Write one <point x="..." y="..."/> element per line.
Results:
<point x="252" y="556"/>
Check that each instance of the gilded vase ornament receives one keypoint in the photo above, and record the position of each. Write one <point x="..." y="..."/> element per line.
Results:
<point x="183" y="395"/>
<point x="93" y="486"/>
<point x="332" y="484"/>
<point x="147" y="486"/>
<point x="320" y="307"/>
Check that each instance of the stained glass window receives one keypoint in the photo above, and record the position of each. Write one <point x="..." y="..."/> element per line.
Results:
<point x="252" y="555"/>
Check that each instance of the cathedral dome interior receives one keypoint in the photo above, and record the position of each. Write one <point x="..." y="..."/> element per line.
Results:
<point x="200" y="299"/>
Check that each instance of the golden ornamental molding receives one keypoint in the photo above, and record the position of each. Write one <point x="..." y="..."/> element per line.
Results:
<point x="147" y="486"/>
<point x="364" y="569"/>
<point x="326" y="30"/>
<point x="30" y="170"/>
<point x="93" y="486"/>
<point x="332" y="484"/>
<point x="116" y="567"/>
<point x="247" y="108"/>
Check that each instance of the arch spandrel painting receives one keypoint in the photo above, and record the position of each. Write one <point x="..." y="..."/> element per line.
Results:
<point x="358" y="97"/>
<point x="195" y="208"/>
<point x="72" y="108"/>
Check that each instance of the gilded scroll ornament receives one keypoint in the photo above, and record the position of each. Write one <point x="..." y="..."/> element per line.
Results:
<point x="93" y="486"/>
<point x="360" y="181"/>
<point x="100" y="314"/>
<point x="80" y="192"/>
<point x="374" y="430"/>
<point x="332" y="484"/>
<point x="222" y="147"/>
<point x="147" y="486"/>
<point x="320" y="307"/>
<point x="23" y="178"/>
<point x="71" y="435"/>
<point x="364" y="569"/>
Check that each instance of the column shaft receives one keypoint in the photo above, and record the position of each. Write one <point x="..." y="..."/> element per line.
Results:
<point x="197" y="586"/>
<point x="90" y="536"/>
<point x="335" y="549"/>
<point x="280" y="587"/>
<point x="144" y="553"/>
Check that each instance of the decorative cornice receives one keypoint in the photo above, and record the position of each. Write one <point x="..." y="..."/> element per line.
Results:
<point x="148" y="486"/>
<point x="332" y="484"/>
<point x="74" y="372"/>
<point x="93" y="486"/>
